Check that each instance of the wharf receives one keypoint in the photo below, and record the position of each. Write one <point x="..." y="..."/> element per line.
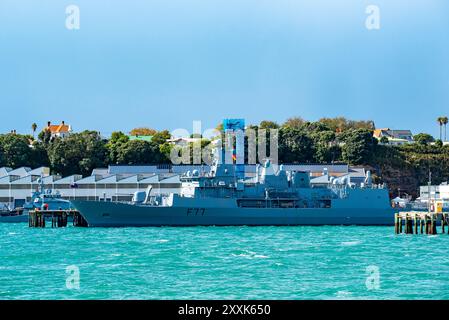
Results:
<point x="414" y="222"/>
<point x="59" y="218"/>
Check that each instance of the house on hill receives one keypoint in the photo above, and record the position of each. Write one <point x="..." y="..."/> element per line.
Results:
<point x="395" y="137"/>
<point x="58" y="130"/>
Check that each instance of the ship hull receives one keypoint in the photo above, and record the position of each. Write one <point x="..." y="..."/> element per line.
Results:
<point x="14" y="218"/>
<point x="110" y="214"/>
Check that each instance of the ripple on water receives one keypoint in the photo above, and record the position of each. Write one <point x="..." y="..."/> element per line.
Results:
<point x="221" y="263"/>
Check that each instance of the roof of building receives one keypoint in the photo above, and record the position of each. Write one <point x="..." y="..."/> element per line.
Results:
<point x="111" y="179"/>
<point x="4" y="171"/>
<point x="69" y="179"/>
<point x="22" y="171"/>
<point x="26" y="180"/>
<point x="89" y="179"/>
<point x="58" y="128"/>
<point x="100" y="171"/>
<point x="378" y="133"/>
<point x="172" y="179"/>
<point x="8" y="179"/>
<point x="41" y="171"/>
<point x="321" y="179"/>
<point x="142" y="138"/>
<point x="152" y="179"/>
<point x="131" y="179"/>
<point x="51" y="179"/>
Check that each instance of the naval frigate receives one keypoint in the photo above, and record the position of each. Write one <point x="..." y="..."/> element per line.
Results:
<point x="273" y="197"/>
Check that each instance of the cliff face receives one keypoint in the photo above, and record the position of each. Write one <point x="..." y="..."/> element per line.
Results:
<point x="399" y="178"/>
<point x="408" y="169"/>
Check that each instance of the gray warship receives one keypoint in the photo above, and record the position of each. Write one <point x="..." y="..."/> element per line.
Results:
<point x="274" y="197"/>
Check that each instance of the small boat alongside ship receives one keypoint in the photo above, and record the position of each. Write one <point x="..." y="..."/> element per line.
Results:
<point x="272" y="197"/>
<point x="12" y="215"/>
<point x="42" y="199"/>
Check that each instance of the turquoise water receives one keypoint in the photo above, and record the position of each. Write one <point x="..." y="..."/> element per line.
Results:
<point x="222" y="263"/>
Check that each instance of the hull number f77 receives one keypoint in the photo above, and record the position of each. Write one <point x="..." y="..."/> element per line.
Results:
<point x="196" y="211"/>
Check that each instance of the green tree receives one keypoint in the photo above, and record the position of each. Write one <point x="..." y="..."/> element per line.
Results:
<point x="295" y="146"/>
<point x="79" y="153"/>
<point x="384" y="140"/>
<point x="161" y="137"/>
<point x="34" y="128"/>
<point x="341" y="124"/>
<point x="423" y="138"/>
<point x="165" y="150"/>
<point x="439" y="143"/>
<point x="139" y="152"/>
<point x="294" y="122"/>
<point x="114" y="145"/>
<point x="39" y="155"/>
<point x="265" y="124"/>
<point x="441" y="121"/>
<point x="16" y="150"/>
<point x="445" y="121"/>
<point x="142" y="132"/>
<point x="45" y="136"/>
<point x="358" y="146"/>
<point x="325" y="148"/>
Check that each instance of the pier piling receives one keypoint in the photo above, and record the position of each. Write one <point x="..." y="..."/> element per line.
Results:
<point x="59" y="218"/>
<point x="416" y="222"/>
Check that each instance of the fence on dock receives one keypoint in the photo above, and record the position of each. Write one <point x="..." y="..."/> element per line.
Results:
<point x="58" y="218"/>
<point x="415" y="222"/>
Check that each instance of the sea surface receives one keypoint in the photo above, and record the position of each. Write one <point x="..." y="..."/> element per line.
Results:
<point x="221" y="263"/>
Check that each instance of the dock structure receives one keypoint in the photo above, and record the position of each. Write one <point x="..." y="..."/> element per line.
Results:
<point x="415" y="222"/>
<point x="59" y="218"/>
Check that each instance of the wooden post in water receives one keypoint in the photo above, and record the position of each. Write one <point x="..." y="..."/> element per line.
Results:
<point x="443" y="222"/>
<point x="396" y="223"/>
<point x="406" y="224"/>
<point x="415" y="221"/>
<point x="434" y="228"/>
<point x="421" y="225"/>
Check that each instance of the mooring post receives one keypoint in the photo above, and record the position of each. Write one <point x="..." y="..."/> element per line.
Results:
<point x="64" y="217"/>
<point x="406" y="224"/>
<point x="421" y="224"/>
<point x="434" y="229"/>
<point x="415" y="221"/>
<point x="396" y="225"/>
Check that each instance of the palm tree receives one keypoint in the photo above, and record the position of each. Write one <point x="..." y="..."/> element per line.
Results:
<point x="445" y="121"/>
<point x="440" y="121"/>
<point x="34" y="127"/>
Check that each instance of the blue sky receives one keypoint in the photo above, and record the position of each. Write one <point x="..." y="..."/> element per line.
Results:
<point x="163" y="64"/>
